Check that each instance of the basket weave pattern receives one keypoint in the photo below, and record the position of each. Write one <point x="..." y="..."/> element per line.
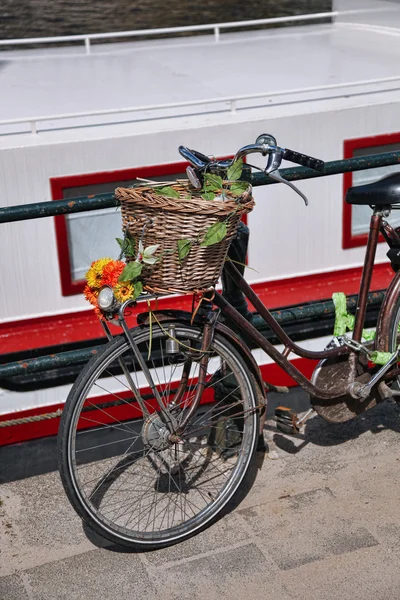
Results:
<point x="162" y="220"/>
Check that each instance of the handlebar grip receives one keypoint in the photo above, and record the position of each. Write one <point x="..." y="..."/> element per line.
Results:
<point x="304" y="160"/>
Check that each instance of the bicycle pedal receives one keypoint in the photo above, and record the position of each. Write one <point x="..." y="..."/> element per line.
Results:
<point x="286" y="420"/>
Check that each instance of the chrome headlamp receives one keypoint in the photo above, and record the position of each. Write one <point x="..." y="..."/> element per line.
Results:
<point x="106" y="299"/>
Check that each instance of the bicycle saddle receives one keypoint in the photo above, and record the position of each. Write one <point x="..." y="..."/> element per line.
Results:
<point x="383" y="192"/>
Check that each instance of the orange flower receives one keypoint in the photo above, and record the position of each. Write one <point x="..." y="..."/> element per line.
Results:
<point x="91" y="295"/>
<point x="112" y="272"/>
<point x="123" y="291"/>
<point x="95" y="273"/>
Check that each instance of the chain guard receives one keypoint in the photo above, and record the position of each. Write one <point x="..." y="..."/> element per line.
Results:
<point x="337" y="373"/>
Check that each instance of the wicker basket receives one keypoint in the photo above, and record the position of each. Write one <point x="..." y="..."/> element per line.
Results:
<point x="162" y="220"/>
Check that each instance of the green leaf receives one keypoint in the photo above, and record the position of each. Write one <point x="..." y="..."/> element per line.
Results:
<point x="127" y="245"/>
<point x="137" y="289"/>
<point x="208" y="195"/>
<point x="214" y="234"/>
<point x="235" y="170"/>
<point x="238" y="188"/>
<point x="167" y="191"/>
<point x="212" y="183"/>
<point x="130" y="245"/>
<point x="183" y="248"/>
<point x="131" y="271"/>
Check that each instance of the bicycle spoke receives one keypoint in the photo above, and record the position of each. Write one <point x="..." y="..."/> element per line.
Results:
<point x="106" y="444"/>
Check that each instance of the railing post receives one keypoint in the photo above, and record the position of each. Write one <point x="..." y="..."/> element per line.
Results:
<point x="87" y="45"/>
<point x="233" y="106"/>
<point x="216" y="34"/>
<point x="33" y="127"/>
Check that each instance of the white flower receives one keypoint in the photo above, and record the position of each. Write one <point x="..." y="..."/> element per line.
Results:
<point x="146" y="254"/>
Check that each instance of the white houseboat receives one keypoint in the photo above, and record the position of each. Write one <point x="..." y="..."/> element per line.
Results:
<point x="83" y="119"/>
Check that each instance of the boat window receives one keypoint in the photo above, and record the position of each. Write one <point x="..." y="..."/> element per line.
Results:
<point x="86" y="236"/>
<point x="356" y="218"/>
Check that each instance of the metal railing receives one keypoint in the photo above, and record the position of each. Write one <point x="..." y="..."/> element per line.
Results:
<point x="73" y="205"/>
<point x="212" y="27"/>
<point x="284" y="316"/>
<point x="229" y="104"/>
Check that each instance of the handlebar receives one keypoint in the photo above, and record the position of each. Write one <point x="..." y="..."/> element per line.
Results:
<point x="266" y="148"/>
<point x="265" y="145"/>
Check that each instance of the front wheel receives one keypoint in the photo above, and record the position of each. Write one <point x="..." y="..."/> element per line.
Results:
<point x="122" y="473"/>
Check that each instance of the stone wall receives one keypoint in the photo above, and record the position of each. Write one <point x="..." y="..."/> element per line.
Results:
<point x="35" y="18"/>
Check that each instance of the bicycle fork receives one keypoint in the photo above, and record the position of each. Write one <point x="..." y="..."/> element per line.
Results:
<point x="165" y="414"/>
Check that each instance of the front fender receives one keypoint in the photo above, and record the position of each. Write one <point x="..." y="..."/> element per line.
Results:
<point x="235" y="340"/>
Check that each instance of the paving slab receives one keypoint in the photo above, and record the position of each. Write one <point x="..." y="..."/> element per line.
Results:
<point x="304" y="528"/>
<point x="12" y="588"/>
<point x="38" y="525"/>
<point x="321" y="521"/>
<point x="362" y="575"/>
<point x="225" y="533"/>
<point x="234" y="573"/>
<point x="97" y="574"/>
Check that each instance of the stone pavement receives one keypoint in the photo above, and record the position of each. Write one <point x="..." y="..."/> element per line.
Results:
<point x="321" y="522"/>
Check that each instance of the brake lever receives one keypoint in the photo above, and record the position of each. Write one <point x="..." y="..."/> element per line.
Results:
<point x="278" y="177"/>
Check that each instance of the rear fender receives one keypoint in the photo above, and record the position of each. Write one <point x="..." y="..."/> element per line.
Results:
<point x="386" y="314"/>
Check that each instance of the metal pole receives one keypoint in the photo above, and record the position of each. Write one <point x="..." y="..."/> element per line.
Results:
<point x="318" y="310"/>
<point x="73" y="205"/>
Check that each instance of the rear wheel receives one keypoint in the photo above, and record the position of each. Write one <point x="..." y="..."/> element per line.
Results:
<point x="394" y="335"/>
<point x="120" y="470"/>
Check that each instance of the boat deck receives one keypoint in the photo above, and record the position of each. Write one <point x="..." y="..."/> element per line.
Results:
<point x="64" y="80"/>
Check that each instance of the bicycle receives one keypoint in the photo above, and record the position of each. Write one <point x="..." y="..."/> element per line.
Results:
<point x="170" y="450"/>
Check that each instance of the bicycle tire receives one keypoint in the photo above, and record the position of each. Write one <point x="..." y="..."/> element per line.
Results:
<point x="100" y="367"/>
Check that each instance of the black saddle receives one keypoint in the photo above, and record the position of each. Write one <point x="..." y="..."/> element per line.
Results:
<point x="383" y="192"/>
